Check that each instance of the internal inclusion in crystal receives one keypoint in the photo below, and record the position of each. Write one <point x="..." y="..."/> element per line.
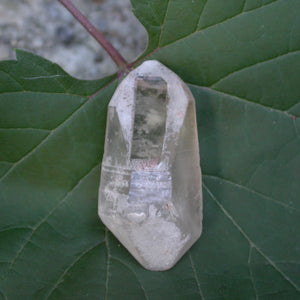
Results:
<point x="149" y="118"/>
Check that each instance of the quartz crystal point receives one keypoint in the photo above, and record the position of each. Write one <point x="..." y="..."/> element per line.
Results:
<point x="150" y="193"/>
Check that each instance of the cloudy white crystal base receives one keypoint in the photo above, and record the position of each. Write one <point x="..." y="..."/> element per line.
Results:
<point x="156" y="244"/>
<point x="150" y="194"/>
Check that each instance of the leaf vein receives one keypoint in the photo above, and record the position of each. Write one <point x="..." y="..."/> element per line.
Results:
<point x="15" y="228"/>
<point x="262" y="6"/>
<point x="234" y="16"/>
<point x="242" y="99"/>
<point x="38" y="92"/>
<point x="14" y="79"/>
<point x="196" y="276"/>
<point x="296" y="129"/>
<point x="130" y="269"/>
<point x="200" y="15"/>
<point x="1" y="293"/>
<point x="44" y="140"/>
<point x="164" y="22"/>
<point x="10" y="167"/>
<point x="153" y="13"/>
<point x="44" y="77"/>
<point x="196" y="32"/>
<point x="42" y="221"/>
<point x="251" y="191"/>
<point x="253" y="65"/>
<point x="244" y="4"/>
<point x="49" y="74"/>
<point x="25" y="128"/>
<point x="65" y="272"/>
<point x="250" y="241"/>
<point x="251" y="273"/>
<point x="291" y="107"/>
<point x="107" y="262"/>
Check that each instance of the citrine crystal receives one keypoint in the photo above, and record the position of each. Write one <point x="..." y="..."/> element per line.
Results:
<point x="150" y="193"/>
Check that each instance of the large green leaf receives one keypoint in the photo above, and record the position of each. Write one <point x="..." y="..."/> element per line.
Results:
<point x="242" y="61"/>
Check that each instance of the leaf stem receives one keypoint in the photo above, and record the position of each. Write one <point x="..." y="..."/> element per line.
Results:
<point x="97" y="35"/>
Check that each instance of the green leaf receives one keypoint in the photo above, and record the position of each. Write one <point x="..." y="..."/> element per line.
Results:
<point x="241" y="59"/>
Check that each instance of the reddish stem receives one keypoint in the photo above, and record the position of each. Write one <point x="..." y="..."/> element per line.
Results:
<point x="98" y="36"/>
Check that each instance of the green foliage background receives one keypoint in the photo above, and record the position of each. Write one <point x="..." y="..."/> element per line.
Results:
<point x="241" y="59"/>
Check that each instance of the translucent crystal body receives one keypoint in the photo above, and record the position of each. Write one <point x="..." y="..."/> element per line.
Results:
<point x="150" y="193"/>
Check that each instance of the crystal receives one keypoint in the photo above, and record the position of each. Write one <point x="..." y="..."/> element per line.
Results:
<point x="150" y="194"/>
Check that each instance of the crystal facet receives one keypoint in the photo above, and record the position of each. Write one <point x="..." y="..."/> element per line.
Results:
<point x="150" y="193"/>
